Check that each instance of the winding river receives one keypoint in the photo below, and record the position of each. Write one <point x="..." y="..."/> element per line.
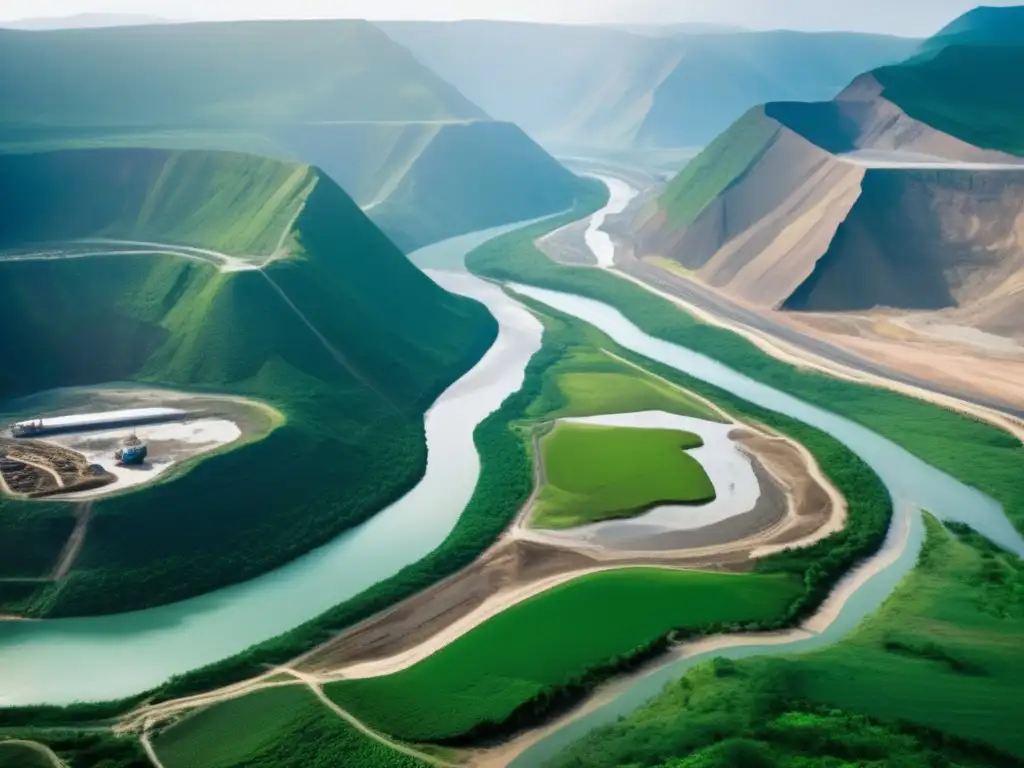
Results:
<point x="101" y="658"/>
<point x="108" y="657"/>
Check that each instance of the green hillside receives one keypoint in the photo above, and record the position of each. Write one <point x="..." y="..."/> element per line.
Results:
<point x="600" y="87"/>
<point x="972" y="92"/>
<point x="216" y="74"/>
<point x="232" y="202"/>
<point x="353" y="399"/>
<point x="713" y="170"/>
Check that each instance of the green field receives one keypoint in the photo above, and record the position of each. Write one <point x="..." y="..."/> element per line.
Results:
<point x="599" y="473"/>
<point x="943" y="654"/>
<point x="284" y="727"/>
<point x="591" y="383"/>
<point x="353" y="400"/>
<point x="514" y="662"/>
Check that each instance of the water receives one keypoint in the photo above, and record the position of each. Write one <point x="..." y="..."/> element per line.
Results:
<point x="90" y="659"/>
<point x="598" y="241"/>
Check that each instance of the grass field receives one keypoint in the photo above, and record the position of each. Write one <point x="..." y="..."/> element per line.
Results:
<point x="551" y="641"/>
<point x="587" y="382"/>
<point x="274" y="728"/>
<point x="599" y="473"/>
<point x="942" y="654"/>
<point x="353" y="400"/>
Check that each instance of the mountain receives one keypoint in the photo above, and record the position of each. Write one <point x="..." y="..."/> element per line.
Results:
<point x="336" y="329"/>
<point x="337" y="94"/>
<point x="600" y="87"/>
<point x="85" y="21"/>
<point x="685" y="28"/>
<point x="854" y="204"/>
<point x="986" y="25"/>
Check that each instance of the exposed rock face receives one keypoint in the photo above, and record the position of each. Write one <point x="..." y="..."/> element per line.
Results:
<point x="851" y="205"/>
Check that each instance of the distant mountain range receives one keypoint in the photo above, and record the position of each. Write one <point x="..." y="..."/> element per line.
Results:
<point x="574" y="86"/>
<point x="85" y="21"/>
<point x="338" y="94"/>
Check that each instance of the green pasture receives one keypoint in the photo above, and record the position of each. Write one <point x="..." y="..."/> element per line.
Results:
<point x="551" y="641"/>
<point x="596" y="473"/>
<point x="286" y="727"/>
<point x="940" y="662"/>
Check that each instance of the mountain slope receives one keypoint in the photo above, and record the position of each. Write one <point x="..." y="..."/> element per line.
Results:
<point x="353" y="392"/>
<point x="336" y="94"/>
<point x="606" y="88"/>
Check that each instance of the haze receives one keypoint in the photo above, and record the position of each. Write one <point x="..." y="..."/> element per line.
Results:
<point x="902" y="17"/>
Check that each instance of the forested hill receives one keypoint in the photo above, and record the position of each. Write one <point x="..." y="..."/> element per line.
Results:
<point x="338" y="331"/>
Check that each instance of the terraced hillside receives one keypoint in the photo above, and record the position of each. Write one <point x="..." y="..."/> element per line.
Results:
<point x="854" y="204"/>
<point x="340" y="95"/>
<point x="339" y="332"/>
<point x="598" y="87"/>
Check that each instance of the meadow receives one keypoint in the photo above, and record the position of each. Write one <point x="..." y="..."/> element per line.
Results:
<point x="590" y="383"/>
<point x="934" y="678"/>
<point x="511" y="667"/>
<point x="596" y="473"/>
<point x="285" y="727"/>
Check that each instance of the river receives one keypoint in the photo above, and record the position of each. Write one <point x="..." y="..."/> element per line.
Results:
<point x="108" y="657"/>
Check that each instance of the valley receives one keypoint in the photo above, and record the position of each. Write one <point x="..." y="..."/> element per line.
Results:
<point x="491" y="394"/>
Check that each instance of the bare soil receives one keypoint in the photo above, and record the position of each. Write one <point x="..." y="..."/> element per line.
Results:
<point x="37" y="469"/>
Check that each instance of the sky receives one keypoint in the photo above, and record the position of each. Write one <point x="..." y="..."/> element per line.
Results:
<point x="904" y="17"/>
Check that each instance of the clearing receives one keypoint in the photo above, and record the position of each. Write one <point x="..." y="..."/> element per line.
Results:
<point x="601" y="473"/>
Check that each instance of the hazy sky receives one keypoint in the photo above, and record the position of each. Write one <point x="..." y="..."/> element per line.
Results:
<point x="907" y="17"/>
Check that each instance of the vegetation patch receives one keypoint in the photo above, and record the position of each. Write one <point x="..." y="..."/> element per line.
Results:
<point x="969" y="91"/>
<point x="599" y="473"/>
<point x="285" y="727"/>
<point x="514" y="663"/>
<point x="896" y="687"/>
